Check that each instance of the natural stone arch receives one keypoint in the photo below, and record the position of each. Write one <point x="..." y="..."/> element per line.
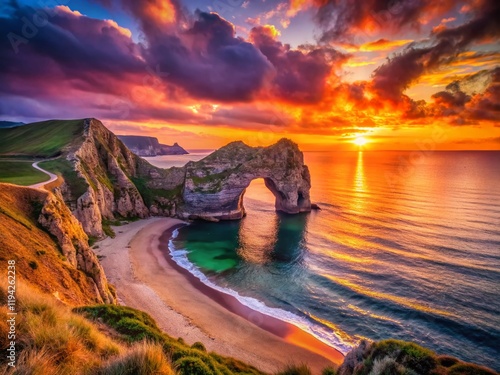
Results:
<point x="214" y="186"/>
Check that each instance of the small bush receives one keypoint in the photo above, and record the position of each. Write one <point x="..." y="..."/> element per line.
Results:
<point x="408" y="354"/>
<point x="302" y="369"/>
<point x="192" y="366"/>
<point x="142" y="359"/>
<point x="108" y="231"/>
<point x="33" y="265"/>
<point x="329" y="371"/>
<point x="134" y="324"/>
<point x="199" y="346"/>
<point x="92" y="240"/>
<point x="447" y="361"/>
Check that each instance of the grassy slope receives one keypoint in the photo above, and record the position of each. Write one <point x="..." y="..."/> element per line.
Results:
<point x="20" y="173"/>
<point x="53" y="339"/>
<point x="64" y="168"/>
<point x="40" y="139"/>
<point x="395" y="357"/>
<point x="39" y="260"/>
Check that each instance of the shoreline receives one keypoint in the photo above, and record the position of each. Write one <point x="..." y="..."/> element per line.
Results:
<point x="139" y="263"/>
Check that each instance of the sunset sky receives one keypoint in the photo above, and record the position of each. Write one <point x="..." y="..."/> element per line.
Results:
<point x="407" y="74"/>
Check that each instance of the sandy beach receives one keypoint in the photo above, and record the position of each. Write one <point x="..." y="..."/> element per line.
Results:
<point x="138" y="263"/>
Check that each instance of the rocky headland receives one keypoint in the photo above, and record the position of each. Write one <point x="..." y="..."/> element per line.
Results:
<point x="103" y="181"/>
<point x="150" y="146"/>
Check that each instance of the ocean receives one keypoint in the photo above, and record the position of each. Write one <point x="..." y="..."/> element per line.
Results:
<point x="406" y="246"/>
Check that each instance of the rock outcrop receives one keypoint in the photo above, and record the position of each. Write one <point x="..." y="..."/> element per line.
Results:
<point x="104" y="165"/>
<point x="214" y="187"/>
<point x="56" y="219"/>
<point x="150" y="146"/>
<point x="104" y="181"/>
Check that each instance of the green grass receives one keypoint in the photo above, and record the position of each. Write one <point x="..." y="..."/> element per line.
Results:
<point x="63" y="167"/>
<point x="20" y="173"/>
<point x="402" y="357"/>
<point x="302" y="369"/>
<point x="134" y="325"/>
<point x="106" y="228"/>
<point x="149" y="195"/>
<point x="40" y="139"/>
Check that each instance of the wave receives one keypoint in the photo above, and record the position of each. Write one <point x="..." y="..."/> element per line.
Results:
<point x="323" y="334"/>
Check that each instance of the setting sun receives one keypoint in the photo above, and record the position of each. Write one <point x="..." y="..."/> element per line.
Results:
<point x="360" y="141"/>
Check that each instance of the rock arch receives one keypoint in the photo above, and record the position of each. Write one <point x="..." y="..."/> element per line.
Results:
<point x="214" y="186"/>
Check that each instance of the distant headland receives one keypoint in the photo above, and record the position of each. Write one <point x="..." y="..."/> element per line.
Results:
<point x="150" y="146"/>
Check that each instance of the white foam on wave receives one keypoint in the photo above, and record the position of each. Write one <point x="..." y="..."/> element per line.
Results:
<point x="322" y="333"/>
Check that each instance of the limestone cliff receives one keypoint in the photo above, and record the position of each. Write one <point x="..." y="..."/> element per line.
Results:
<point x="150" y="146"/>
<point x="214" y="187"/>
<point x="57" y="220"/>
<point x="104" y="181"/>
<point x="104" y="164"/>
<point x="50" y="248"/>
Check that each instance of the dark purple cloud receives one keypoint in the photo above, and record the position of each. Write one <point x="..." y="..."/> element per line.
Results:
<point x="300" y="74"/>
<point x="209" y="62"/>
<point x="49" y="47"/>
<point x="341" y="20"/>
<point x="392" y="78"/>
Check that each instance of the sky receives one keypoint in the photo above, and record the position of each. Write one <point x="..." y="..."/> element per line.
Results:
<point x="328" y="74"/>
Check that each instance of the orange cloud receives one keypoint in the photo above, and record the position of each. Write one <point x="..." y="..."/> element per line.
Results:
<point x="162" y="11"/>
<point x="296" y="6"/>
<point x="383" y="45"/>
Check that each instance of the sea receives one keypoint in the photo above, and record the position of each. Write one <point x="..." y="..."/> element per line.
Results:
<point x="406" y="246"/>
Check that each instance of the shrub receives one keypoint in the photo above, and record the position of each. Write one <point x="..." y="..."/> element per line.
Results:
<point x="447" y="361"/>
<point x="33" y="265"/>
<point x="408" y="354"/>
<point x="199" y="346"/>
<point x="302" y="369"/>
<point x="192" y="366"/>
<point x="329" y="371"/>
<point x="142" y="359"/>
<point x="387" y="365"/>
<point x="135" y="325"/>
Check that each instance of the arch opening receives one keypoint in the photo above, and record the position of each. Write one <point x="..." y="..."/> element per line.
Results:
<point x="259" y="195"/>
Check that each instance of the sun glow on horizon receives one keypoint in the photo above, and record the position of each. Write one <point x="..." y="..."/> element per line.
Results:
<point x="360" y="141"/>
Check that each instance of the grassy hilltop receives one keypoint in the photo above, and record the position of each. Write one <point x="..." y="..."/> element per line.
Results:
<point x="43" y="139"/>
<point x="21" y="145"/>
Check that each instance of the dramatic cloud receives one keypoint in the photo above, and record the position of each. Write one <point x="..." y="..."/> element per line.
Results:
<point x="395" y="76"/>
<point x="342" y="19"/>
<point x="211" y="72"/>
<point x="301" y="75"/>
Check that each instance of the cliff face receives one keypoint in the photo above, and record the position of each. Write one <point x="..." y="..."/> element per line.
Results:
<point x="150" y="146"/>
<point x="57" y="220"/>
<point x="50" y="248"/>
<point x="105" y="181"/>
<point x="104" y="165"/>
<point x="214" y="187"/>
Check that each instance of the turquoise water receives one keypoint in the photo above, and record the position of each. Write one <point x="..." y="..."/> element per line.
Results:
<point x="406" y="246"/>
